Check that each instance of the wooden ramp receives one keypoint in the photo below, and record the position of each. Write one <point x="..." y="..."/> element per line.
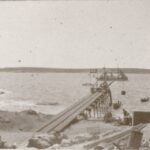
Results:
<point x="64" y="118"/>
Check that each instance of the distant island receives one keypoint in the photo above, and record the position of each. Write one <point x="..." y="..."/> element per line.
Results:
<point x="70" y="70"/>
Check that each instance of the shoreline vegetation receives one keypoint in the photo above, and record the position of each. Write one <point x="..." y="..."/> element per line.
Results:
<point x="71" y="70"/>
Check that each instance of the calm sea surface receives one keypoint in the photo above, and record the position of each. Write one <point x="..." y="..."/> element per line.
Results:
<point x="26" y="90"/>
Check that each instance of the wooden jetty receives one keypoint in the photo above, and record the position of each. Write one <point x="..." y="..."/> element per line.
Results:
<point x="63" y="119"/>
<point x="95" y="105"/>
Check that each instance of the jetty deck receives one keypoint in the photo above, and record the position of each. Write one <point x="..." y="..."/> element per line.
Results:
<point x="65" y="118"/>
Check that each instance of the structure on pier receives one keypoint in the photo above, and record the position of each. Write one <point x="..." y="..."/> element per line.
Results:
<point x="118" y="75"/>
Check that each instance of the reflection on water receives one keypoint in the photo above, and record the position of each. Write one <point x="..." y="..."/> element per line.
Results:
<point x="25" y="90"/>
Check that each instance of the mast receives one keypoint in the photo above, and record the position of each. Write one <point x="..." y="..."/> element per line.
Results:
<point x="105" y="75"/>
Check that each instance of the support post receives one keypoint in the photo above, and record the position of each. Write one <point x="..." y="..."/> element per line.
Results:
<point x="94" y="111"/>
<point x="135" y="139"/>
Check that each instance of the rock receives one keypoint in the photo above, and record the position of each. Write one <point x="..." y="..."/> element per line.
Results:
<point x="39" y="143"/>
<point x="61" y="137"/>
<point x="145" y="144"/>
<point x="66" y="142"/>
<point x="43" y="144"/>
<point x="8" y="146"/>
<point x="46" y="140"/>
<point x="99" y="148"/>
<point x="31" y="112"/>
<point x="53" y="139"/>
<point x="5" y="145"/>
<point x="2" y="143"/>
<point x="55" y="133"/>
<point x="2" y="92"/>
<point x="32" y="142"/>
<point x="80" y="138"/>
<point x="5" y="120"/>
<point x="44" y="137"/>
<point x="55" y="146"/>
<point x="83" y="138"/>
<point x="56" y="137"/>
<point x="75" y="141"/>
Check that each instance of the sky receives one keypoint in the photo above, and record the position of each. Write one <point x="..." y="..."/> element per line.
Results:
<point x="75" y="34"/>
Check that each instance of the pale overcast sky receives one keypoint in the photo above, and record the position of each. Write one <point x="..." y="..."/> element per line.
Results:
<point x="75" y="34"/>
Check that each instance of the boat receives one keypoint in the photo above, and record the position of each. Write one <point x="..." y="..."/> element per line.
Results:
<point x="109" y="76"/>
<point x="145" y="99"/>
<point x="123" y="92"/>
<point x="121" y="76"/>
<point x="2" y="92"/>
<point x="117" y="105"/>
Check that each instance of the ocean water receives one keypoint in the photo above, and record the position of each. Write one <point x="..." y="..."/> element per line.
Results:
<point x="26" y="90"/>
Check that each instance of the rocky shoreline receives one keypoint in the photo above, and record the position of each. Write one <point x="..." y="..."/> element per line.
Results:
<point x="17" y="130"/>
<point x="22" y="126"/>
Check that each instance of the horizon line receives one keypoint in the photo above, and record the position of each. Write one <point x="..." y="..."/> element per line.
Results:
<point x="73" y="67"/>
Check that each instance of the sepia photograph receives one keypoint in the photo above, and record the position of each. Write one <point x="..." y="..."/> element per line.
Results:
<point x="75" y="74"/>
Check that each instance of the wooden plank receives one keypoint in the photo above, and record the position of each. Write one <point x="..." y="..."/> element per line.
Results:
<point x="63" y="113"/>
<point x="71" y="115"/>
<point x="62" y="116"/>
<point x="114" y="137"/>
